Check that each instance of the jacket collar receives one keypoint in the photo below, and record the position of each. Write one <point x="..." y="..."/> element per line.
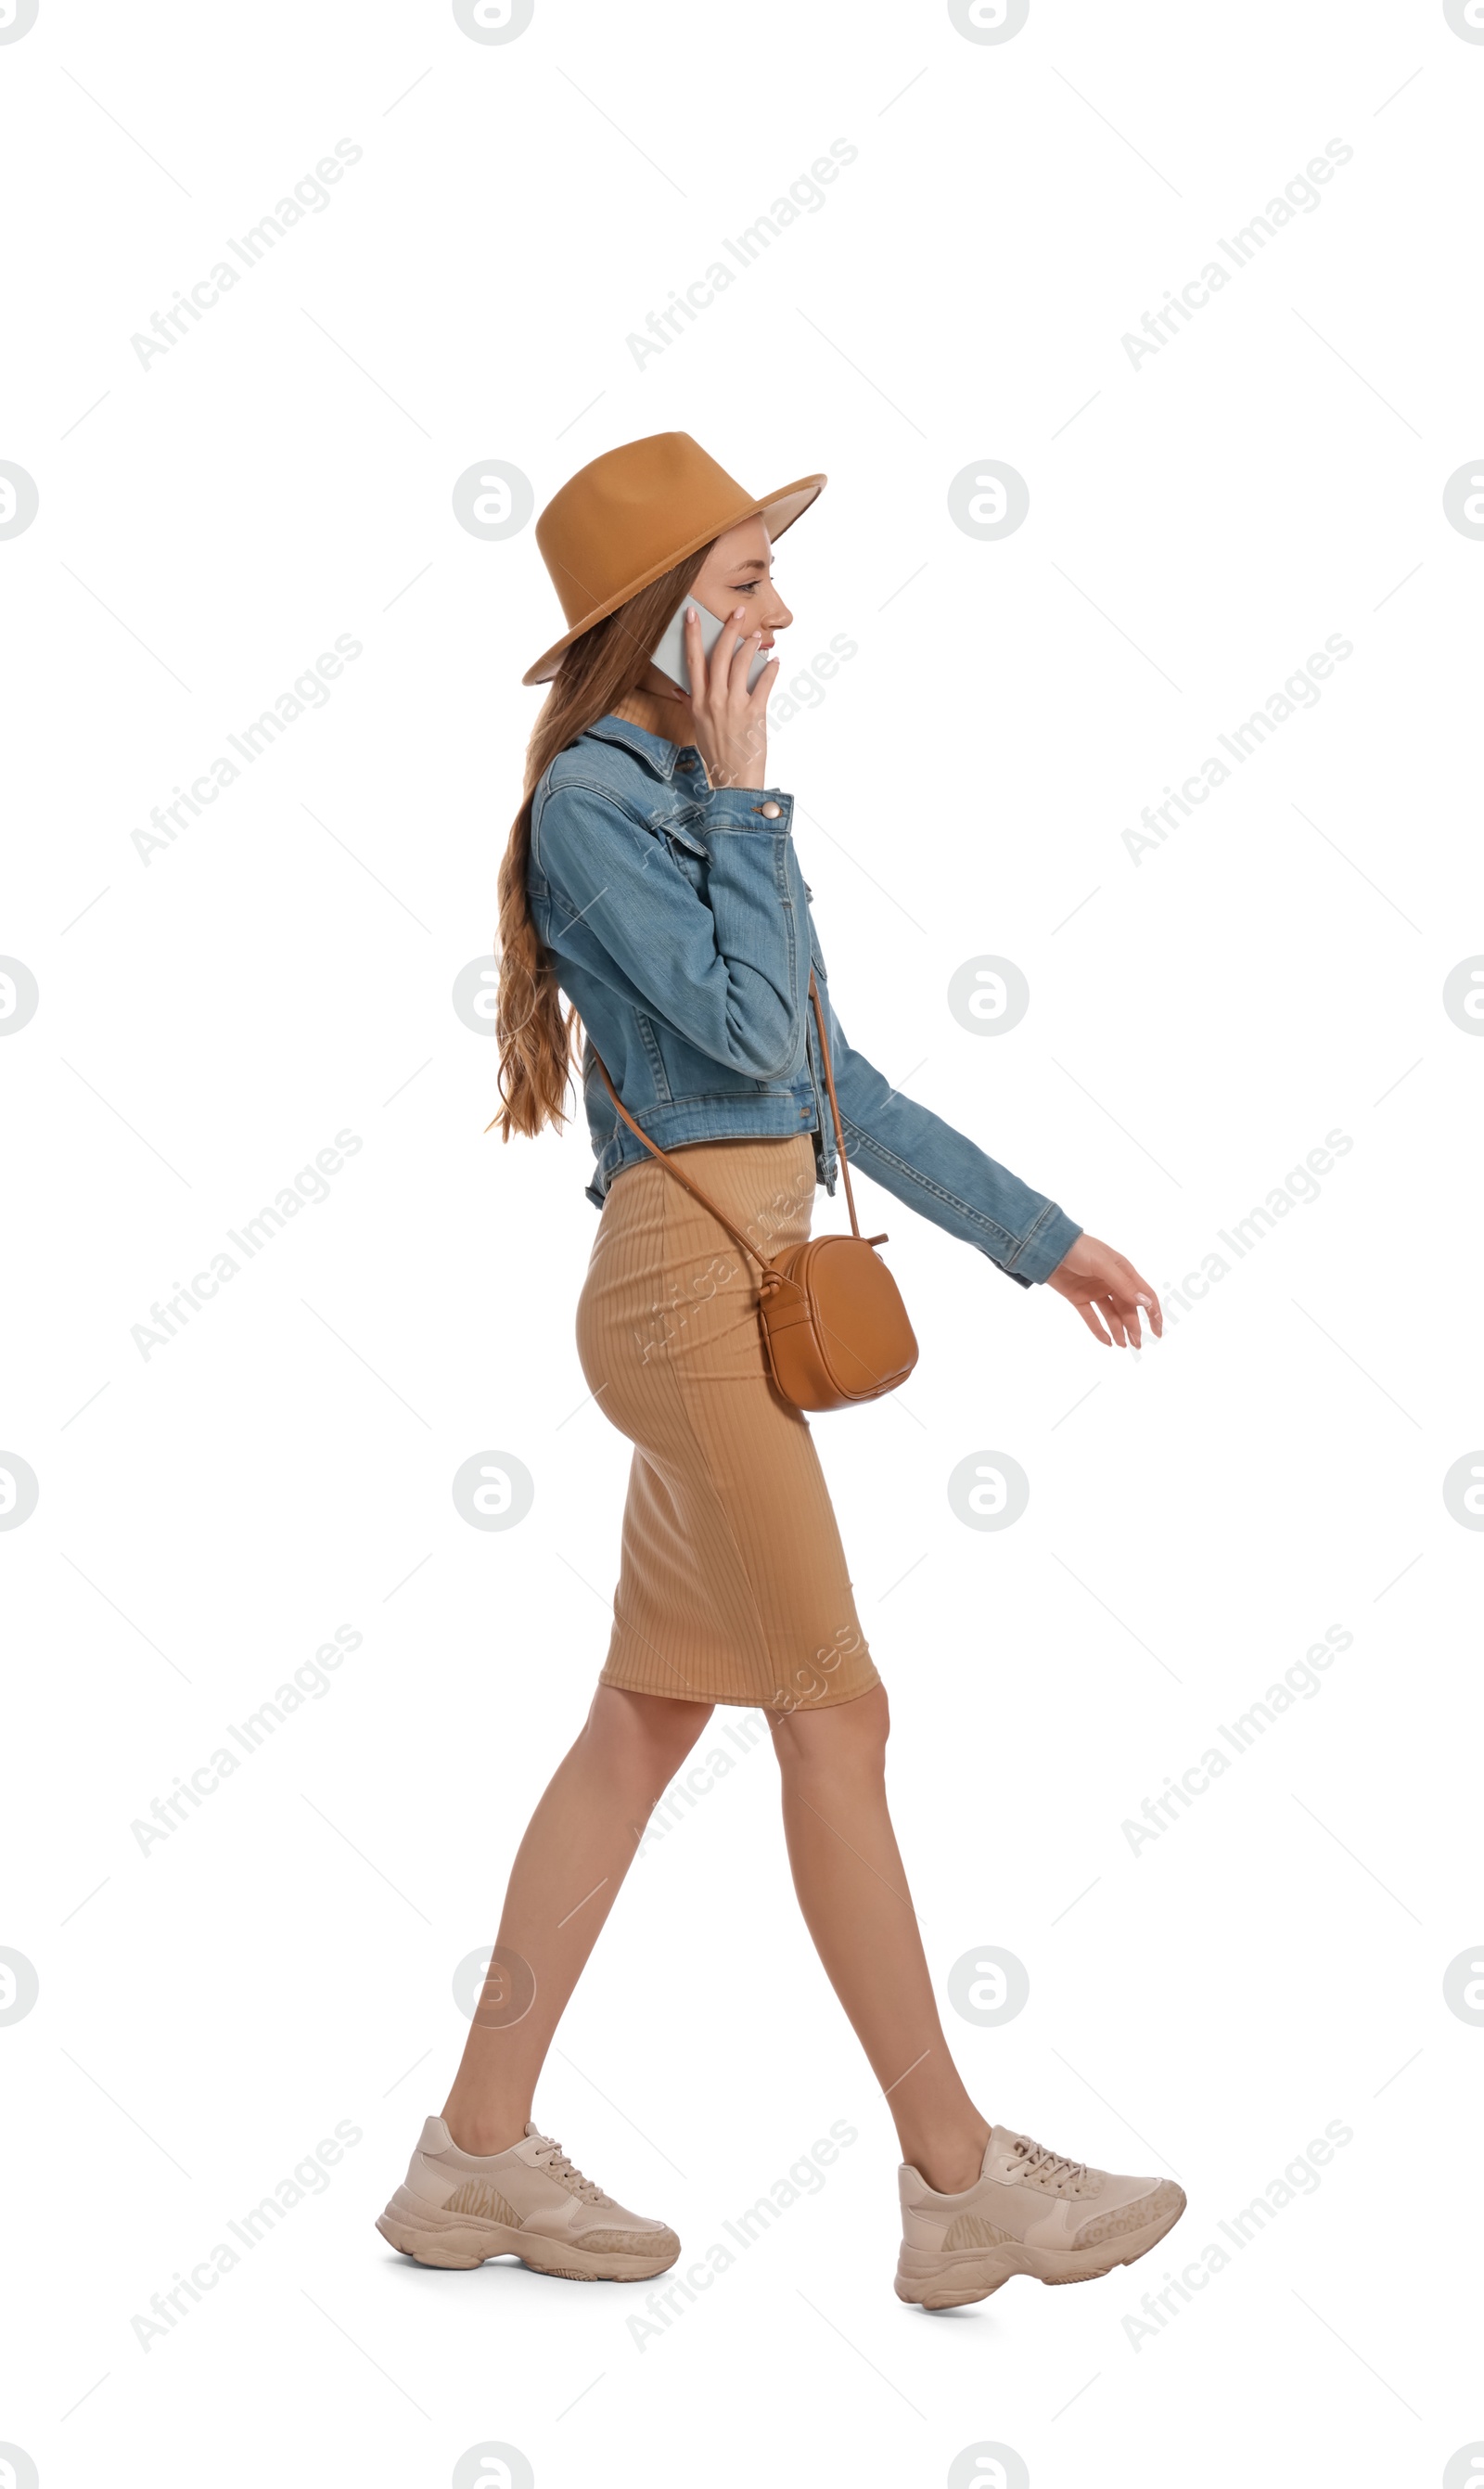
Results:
<point x="656" y="753"/>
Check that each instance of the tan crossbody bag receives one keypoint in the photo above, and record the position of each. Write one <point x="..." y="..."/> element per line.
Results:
<point x="833" y="1325"/>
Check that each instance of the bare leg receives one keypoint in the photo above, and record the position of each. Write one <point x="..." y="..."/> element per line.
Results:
<point x="852" y="1888"/>
<point x="576" y="1852"/>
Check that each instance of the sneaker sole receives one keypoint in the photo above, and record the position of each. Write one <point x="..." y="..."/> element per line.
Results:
<point x="455" y="2242"/>
<point x="929" y="2277"/>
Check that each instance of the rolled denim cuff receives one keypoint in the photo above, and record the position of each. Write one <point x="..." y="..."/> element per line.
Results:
<point x="1044" y="1248"/>
<point x="742" y="808"/>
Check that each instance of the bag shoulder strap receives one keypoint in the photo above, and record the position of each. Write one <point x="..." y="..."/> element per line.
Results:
<point x="829" y="1082"/>
<point x="704" y="1197"/>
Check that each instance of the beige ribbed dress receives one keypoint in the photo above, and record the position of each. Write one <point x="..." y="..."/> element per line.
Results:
<point x="733" y="1585"/>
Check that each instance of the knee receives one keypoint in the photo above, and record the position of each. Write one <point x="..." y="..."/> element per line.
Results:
<point x="846" y="1742"/>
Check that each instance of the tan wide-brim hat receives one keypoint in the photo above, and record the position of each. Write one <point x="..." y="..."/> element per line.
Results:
<point x="635" y="513"/>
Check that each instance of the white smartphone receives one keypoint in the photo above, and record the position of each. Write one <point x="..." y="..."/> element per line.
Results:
<point x="669" y="655"/>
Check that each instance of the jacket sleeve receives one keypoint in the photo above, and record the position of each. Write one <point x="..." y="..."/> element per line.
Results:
<point x="729" y="969"/>
<point x="939" y="1172"/>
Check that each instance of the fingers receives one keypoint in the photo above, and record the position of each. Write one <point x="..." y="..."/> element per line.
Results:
<point x="1131" y="1293"/>
<point x="742" y="656"/>
<point x="757" y="697"/>
<point x="1108" y="1307"/>
<point x="1137" y="1295"/>
<point x="1114" y="1290"/>
<point x="723" y="657"/>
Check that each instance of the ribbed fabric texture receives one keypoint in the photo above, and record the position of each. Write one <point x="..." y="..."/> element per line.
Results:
<point x="732" y="1585"/>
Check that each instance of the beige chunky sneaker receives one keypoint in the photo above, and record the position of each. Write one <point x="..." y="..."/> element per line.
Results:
<point x="1029" y="2211"/>
<point x="458" y="2208"/>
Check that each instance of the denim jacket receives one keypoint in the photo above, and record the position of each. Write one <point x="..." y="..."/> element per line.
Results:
<point x="680" y="926"/>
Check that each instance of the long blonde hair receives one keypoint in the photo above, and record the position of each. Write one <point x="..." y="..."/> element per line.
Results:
<point x="535" y="1031"/>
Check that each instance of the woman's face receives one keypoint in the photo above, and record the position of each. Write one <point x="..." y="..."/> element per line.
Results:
<point x="738" y="570"/>
<point x="737" y="573"/>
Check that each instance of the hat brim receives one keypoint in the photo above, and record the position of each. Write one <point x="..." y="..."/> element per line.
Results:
<point x="777" y="510"/>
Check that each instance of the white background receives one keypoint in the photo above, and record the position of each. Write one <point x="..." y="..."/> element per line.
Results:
<point x="1200" y="1019"/>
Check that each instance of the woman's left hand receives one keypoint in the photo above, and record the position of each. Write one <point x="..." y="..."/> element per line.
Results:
<point x="1097" y="1280"/>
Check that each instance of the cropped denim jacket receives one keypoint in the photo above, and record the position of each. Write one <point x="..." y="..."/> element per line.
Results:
<point x="679" y="924"/>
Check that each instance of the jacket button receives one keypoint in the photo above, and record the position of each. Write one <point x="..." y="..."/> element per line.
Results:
<point x="770" y="811"/>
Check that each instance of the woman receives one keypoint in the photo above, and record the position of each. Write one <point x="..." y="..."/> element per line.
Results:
<point x="651" y="877"/>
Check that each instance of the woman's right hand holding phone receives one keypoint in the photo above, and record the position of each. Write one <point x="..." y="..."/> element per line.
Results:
<point x="732" y="722"/>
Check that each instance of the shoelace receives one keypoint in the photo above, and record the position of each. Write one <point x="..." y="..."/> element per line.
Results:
<point x="551" y="2158"/>
<point x="1052" y="2169"/>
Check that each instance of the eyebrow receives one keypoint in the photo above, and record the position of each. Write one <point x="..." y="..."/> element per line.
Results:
<point x="750" y="566"/>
